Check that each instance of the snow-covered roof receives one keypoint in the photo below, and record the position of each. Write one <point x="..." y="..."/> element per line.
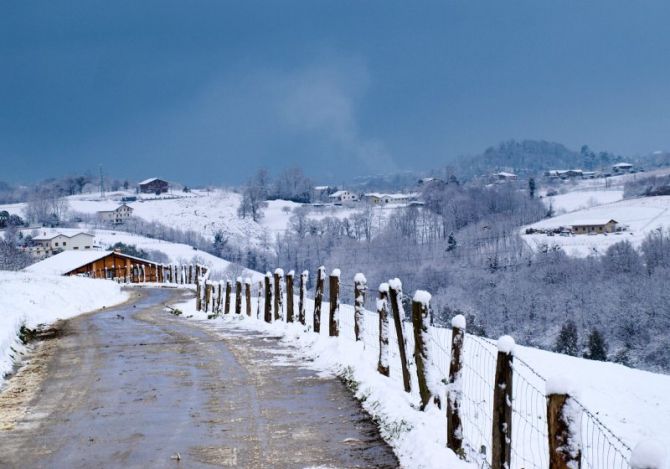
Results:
<point x="623" y="165"/>
<point x="65" y="262"/>
<point x="338" y="194"/>
<point x="116" y="209"/>
<point x="47" y="235"/>
<point x="391" y="196"/>
<point x="147" y="181"/>
<point x="593" y="222"/>
<point x="321" y="188"/>
<point x="505" y="174"/>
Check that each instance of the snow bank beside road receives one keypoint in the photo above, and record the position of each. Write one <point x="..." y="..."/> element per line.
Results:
<point x="33" y="299"/>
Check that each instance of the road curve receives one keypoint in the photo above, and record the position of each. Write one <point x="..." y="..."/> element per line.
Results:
<point x="134" y="387"/>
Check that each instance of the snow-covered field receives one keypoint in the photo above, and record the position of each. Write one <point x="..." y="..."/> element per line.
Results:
<point x="581" y="199"/>
<point x="33" y="299"/>
<point x="640" y="215"/>
<point x="631" y="403"/>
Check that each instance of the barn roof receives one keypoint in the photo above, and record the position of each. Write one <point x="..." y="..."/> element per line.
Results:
<point x="67" y="261"/>
<point x="147" y="181"/>
<point x="594" y="222"/>
<point x="47" y="235"/>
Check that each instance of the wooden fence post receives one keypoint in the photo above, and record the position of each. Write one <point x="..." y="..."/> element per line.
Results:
<point x="301" y="301"/>
<point x="360" y="287"/>
<point x="395" y="295"/>
<point x="501" y="444"/>
<point x="334" y="290"/>
<point x="227" y="303"/>
<point x="455" y="388"/>
<point x="318" y="298"/>
<point x="289" y="297"/>
<point x="421" y="322"/>
<point x="383" y="311"/>
<point x="238" y="295"/>
<point x="214" y="311"/>
<point x="260" y="299"/>
<point x="247" y="290"/>
<point x="268" y="297"/>
<point x="279" y="300"/>
<point x="563" y="422"/>
<point x="198" y="294"/>
<point x="208" y="295"/>
<point x="219" y="294"/>
<point x="190" y="274"/>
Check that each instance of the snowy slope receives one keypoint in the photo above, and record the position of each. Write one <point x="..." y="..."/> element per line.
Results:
<point x="42" y="299"/>
<point x="641" y="215"/>
<point x="581" y="199"/>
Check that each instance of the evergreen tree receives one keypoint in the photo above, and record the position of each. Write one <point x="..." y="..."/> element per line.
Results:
<point x="567" y="339"/>
<point x="451" y="242"/>
<point x="597" y="347"/>
<point x="531" y="188"/>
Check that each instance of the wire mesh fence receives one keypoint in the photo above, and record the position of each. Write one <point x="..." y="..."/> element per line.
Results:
<point x="600" y="447"/>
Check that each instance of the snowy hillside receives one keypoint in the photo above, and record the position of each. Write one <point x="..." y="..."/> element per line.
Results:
<point x="206" y="212"/>
<point x="42" y="299"/>
<point x="581" y="199"/>
<point x="641" y="216"/>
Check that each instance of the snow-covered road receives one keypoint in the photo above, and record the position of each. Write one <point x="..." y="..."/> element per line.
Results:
<point x="133" y="386"/>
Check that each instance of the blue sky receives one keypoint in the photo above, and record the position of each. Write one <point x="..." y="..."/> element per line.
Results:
<point x="209" y="91"/>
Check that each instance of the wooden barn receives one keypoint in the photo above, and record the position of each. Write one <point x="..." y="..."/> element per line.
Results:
<point x="153" y="186"/>
<point x="112" y="265"/>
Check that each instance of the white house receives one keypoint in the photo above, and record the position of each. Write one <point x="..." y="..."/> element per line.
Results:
<point x="47" y="243"/>
<point x="343" y="197"/>
<point x="376" y="198"/>
<point x="503" y="176"/>
<point x="116" y="216"/>
<point x="622" y="167"/>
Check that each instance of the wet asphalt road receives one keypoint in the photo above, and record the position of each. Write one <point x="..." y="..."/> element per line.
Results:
<point x="134" y="386"/>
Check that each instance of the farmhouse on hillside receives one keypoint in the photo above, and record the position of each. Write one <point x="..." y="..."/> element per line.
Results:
<point x="503" y="176"/>
<point x="153" y="186"/>
<point x="594" y="226"/>
<point x="343" y="197"/>
<point x="116" y="216"/>
<point x="622" y="167"/>
<point x="375" y="198"/>
<point x="49" y="242"/>
<point x="98" y="264"/>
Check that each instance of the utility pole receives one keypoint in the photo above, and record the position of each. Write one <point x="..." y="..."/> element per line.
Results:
<point x="102" y="187"/>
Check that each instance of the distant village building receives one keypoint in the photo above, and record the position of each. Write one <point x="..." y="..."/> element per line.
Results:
<point x="594" y="226"/>
<point x="376" y="198"/>
<point x="117" y="216"/>
<point x="343" y="197"/>
<point x="564" y="173"/>
<point x="48" y="243"/>
<point x="622" y="167"/>
<point x="153" y="186"/>
<point x="503" y="176"/>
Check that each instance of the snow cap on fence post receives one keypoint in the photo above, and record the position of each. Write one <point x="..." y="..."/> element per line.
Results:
<point x="506" y="344"/>
<point x="383" y="288"/>
<point x="648" y="454"/>
<point x="458" y="321"/>
<point x="360" y="278"/>
<point x="423" y="297"/>
<point x="336" y="273"/>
